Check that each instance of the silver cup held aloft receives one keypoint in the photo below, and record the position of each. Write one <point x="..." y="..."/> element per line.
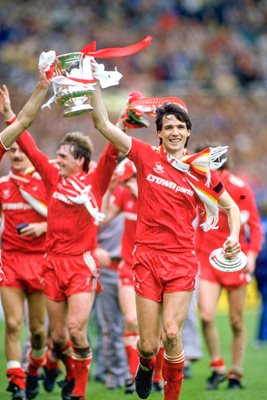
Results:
<point x="73" y="88"/>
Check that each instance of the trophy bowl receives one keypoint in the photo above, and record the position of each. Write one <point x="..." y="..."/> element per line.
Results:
<point x="218" y="261"/>
<point x="75" y="96"/>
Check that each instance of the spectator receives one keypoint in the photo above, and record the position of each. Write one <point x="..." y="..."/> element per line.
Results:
<point x="261" y="278"/>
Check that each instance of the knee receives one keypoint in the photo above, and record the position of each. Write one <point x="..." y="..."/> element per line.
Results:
<point x="172" y="333"/>
<point x="206" y="318"/>
<point x="13" y="325"/>
<point x="59" y="336"/>
<point x="148" y="348"/>
<point x="76" y="332"/>
<point x="237" y="326"/>
<point x="37" y="328"/>
<point x="131" y="324"/>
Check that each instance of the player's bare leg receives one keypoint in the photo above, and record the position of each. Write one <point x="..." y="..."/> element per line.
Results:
<point x="207" y="308"/>
<point x="149" y="325"/>
<point x="175" y="308"/>
<point x="237" y="299"/>
<point x="61" y="346"/>
<point x="82" y="353"/>
<point x="131" y="334"/>
<point x="13" y="306"/>
<point x="37" y="356"/>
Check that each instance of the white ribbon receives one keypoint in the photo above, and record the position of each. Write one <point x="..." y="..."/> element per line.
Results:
<point x="47" y="59"/>
<point x="84" y="198"/>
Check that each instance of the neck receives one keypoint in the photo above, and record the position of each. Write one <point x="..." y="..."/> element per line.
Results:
<point x="176" y="154"/>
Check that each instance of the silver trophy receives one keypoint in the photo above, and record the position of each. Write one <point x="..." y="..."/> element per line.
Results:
<point x="218" y="261"/>
<point x="74" y="83"/>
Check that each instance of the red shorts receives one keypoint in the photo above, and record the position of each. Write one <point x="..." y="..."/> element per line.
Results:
<point x="23" y="270"/>
<point x="125" y="274"/>
<point x="65" y="276"/>
<point x="156" y="273"/>
<point x="227" y="280"/>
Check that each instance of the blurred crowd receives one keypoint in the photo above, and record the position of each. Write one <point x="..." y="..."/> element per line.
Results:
<point x="212" y="53"/>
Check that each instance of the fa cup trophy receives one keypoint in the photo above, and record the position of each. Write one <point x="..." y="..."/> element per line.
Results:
<point x="74" y="83"/>
<point x="72" y="78"/>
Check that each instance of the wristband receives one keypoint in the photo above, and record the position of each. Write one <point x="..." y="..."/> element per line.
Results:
<point x="10" y="121"/>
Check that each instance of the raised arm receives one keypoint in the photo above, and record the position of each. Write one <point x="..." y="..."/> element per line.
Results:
<point x="102" y="123"/>
<point x="25" y="141"/>
<point x="11" y="133"/>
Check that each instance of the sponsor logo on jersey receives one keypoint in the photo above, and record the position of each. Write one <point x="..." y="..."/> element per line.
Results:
<point x="159" y="169"/>
<point x="6" y="194"/>
<point x="16" y="206"/>
<point x="61" y="197"/>
<point x="169" y="184"/>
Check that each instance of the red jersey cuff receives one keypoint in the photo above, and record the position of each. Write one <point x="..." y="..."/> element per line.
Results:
<point x="10" y="121"/>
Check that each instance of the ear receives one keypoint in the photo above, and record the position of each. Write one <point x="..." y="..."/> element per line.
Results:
<point x="80" y="162"/>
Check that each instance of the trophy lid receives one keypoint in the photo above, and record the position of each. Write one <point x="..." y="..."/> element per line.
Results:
<point x="218" y="261"/>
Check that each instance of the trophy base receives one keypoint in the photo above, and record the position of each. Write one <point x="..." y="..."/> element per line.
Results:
<point x="221" y="263"/>
<point x="77" y="110"/>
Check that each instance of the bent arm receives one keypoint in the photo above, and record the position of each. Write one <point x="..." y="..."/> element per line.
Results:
<point x="102" y="123"/>
<point x="231" y="246"/>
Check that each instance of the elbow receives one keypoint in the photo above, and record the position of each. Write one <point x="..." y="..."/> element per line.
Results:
<point x="24" y="121"/>
<point x="101" y="125"/>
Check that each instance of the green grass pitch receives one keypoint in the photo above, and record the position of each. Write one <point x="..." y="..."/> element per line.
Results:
<point x="255" y="379"/>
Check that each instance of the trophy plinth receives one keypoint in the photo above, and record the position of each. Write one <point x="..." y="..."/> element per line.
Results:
<point x="75" y="96"/>
<point x="218" y="261"/>
<point x="77" y="110"/>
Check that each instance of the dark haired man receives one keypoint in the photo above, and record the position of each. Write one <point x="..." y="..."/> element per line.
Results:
<point x="165" y="264"/>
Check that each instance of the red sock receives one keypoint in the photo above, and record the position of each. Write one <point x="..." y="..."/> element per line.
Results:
<point x="130" y="340"/>
<point x="148" y="363"/>
<point x="157" y="377"/>
<point x="52" y="360"/>
<point x="81" y="367"/>
<point x="50" y="364"/>
<point x="218" y="365"/>
<point x="17" y="376"/>
<point x="35" y="364"/>
<point x="66" y="358"/>
<point x="172" y="373"/>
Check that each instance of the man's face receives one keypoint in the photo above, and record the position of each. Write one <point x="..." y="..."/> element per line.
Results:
<point x="19" y="162"/>
<point x="174" y="134"/>
<point x="67" y="164"/>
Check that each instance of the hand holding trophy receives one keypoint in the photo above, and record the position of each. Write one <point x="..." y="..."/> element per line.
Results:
<point x="229" y="258"/>
<point x="72" y="79"/>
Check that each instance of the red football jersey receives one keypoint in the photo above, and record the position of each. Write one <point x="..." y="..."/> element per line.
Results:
<point x="167" y="203"/>
<point x="71" y="229"/>
<point x="127" y="203"/>
<point x="250" y="233"/>
<point x="16" y="210"/>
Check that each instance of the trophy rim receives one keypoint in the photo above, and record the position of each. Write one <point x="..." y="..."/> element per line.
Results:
<point x="219" y="262"/>
<point x="68" y="54"/>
